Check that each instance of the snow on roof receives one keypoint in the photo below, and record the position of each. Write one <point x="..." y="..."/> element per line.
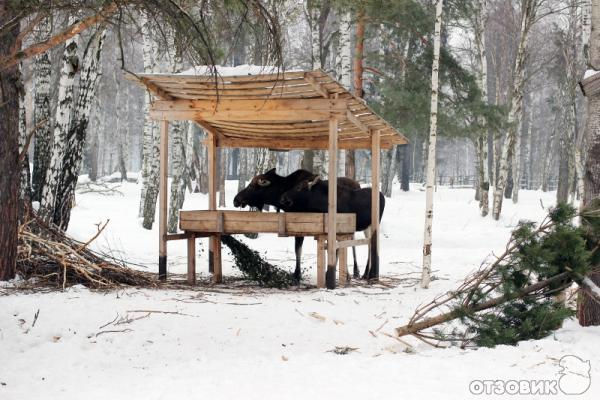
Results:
<point x="589" y="73"/>
<point x="245" y="69"/>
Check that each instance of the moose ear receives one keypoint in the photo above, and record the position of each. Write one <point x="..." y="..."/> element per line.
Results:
<point x="313" y="181"/>
<point x="271" y="171"/>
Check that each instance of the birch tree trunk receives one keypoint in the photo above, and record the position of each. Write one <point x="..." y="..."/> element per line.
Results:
<point x="149" y="51"/>
<point x="345" y="65"/>
<point x="516" y="168"/>
<point x="64" y="110"/>
<point x="151" y="139"/>
<point x="345" y="45"/>
<point x="528" y="16"/>
<point x="178" y="160"/>
<point x="42" y="69"/>
<point x="427" y="239"/>
<point x="76" y="136"/>
<point x="25" y="186"/>
<point x="350" y="155"/>
<point x="588" y="311"/>
<point x="482" y="76"/>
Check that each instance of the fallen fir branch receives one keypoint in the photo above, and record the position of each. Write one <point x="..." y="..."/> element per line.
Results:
<point x="457" y="313"/>
<point x="518" y="296"/>
<point x="254" y="267"/>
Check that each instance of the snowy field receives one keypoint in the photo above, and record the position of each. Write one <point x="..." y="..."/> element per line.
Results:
<point x="262" y="344"/>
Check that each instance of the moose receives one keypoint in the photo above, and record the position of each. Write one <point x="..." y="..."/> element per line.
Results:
<point x="311" y="195"/>
<point x="268" y="188"/>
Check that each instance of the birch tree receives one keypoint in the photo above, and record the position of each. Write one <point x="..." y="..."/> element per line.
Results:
<point x="178" y="158"/>
<point x="529" y="10"/>
<point x="345" y="48"/>
<point x="64" y="110"/>
<point x="150" y="138"/>
<point x="149" y="50"/>
<point x="430" y="183"/>
<point x="41" y="112"/>
<point x="25" y="186"/>
<point x="76" y="136"/>
<point x="482" y="76"/>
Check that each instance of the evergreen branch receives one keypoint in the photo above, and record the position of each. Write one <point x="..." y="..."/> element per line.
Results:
<point x="458" y="312"/>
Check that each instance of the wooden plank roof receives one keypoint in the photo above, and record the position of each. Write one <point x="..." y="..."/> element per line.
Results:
<point x="288" y="110"/>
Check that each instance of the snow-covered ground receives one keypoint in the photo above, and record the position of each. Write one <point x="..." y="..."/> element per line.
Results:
<point x="262" y="344"/>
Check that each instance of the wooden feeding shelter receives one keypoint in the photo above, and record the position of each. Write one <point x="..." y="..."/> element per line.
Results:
<point x="279" y="111"/>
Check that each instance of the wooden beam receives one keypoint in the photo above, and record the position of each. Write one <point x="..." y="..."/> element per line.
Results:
<point x="247" y="110"/>
<point x="212" y="192"/>
<point x="332" y="203"/>
<point x="354" y="119"/>
<point x="290" y="144"/>
<point x="320" y="261"/>
<point x="162" y="197"/>
<point x="343" y="267"/>
<point x="191" y="260"/>
<point x="316" y="85"/>
<point x="351" y="243"/>
<point x="374" y="258"/>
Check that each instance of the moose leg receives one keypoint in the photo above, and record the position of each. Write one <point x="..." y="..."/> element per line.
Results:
<point x="367" y="233"/>
<point x="356" y="271"/>
<point x="298" y="241"/>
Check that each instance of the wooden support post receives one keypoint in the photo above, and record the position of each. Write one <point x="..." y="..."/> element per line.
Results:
<point x="162" y="199"/>
<point x="332" y="203"/>
<point x="320" y="261"/>
<point x="343" y="272"/>
<point x="214" y="242"/>
<point x="374" y="248"/>
<point x="191" y="260"/>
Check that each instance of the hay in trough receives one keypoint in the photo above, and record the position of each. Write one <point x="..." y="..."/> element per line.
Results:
<point x="254" y="267"/>
<point x="53" y="259"/>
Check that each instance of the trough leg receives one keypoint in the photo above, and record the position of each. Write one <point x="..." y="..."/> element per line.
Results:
<point x="320" y="262"/>
<point x="191" y="260"/>
<point x="343" y="271"/>
<point x="217" y="270"/>
<point x="162" y="200"/>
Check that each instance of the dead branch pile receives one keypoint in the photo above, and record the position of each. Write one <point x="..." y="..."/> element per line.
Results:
<point x="53" y="259"/>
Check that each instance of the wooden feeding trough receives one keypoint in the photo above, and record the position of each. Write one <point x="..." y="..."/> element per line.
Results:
<point x="279" y="111"/>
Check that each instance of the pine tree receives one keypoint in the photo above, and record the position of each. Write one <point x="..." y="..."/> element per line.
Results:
<point x="9" y="145"/>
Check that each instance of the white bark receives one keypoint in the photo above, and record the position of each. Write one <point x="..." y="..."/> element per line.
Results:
<point x="149" y="51"/>
<point x="178" y="159"/>
<point x="315" y="40"/>
<point x="345" y="49"/>
<point x="528" y="15"/>
<point x="482" y="76"/>
<point x="64" y="110"/>
<point x="42" y="70"/>
<point x="516" y="169"/>
<point x="76" y="137"/>
<point x="150" y="137"/>
<point x="24" y="187"/>
<point x="427" y="240"/>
